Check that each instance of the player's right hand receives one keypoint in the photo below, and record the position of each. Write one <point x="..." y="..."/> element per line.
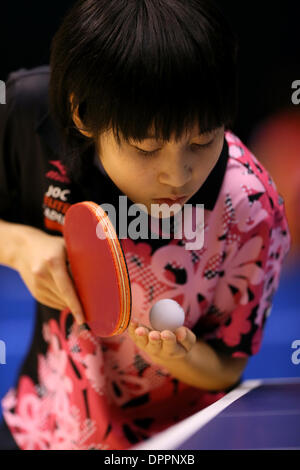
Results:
<point x="42" y="263"/>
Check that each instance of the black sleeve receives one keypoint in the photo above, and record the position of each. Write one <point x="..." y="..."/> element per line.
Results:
<point x="10" y="197"/>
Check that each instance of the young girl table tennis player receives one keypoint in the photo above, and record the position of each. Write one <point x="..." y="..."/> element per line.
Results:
<point x="142" y="94"/>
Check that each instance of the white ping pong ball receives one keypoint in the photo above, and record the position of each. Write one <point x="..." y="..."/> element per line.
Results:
<point x="166" y="314"/>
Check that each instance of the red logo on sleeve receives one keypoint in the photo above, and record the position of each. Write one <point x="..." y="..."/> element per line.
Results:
<point x="60" y="174"/>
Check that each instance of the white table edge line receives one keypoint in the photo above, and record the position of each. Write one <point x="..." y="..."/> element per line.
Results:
<point x="170" y="438"/>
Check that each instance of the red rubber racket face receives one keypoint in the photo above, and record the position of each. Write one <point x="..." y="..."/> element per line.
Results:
<point x="98" y="268"/>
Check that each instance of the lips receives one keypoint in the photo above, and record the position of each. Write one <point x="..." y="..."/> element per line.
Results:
<point x="175" y="198"/>
<point x="168" y="201"/>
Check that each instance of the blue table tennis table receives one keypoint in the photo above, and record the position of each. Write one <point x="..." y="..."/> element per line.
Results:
<point x="258" y="414"/>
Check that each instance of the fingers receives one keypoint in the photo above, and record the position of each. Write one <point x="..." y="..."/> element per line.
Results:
<point x="45" y="291"/>
<point x="155" y="343"/>
<point x="67" y="290"/>
<point x="169" y="343"/>
<point x="52" y="301"/>
<point x="165" y="344"/>
<point x="149" y="341"/>
<point x="185" y="337"/>
<point x="139" y="334"/>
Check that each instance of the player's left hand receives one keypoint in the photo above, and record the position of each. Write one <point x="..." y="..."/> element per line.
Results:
<point x="163" y="346"/>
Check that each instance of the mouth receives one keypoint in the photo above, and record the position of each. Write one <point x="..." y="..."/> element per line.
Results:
<point x="169" y="201"/>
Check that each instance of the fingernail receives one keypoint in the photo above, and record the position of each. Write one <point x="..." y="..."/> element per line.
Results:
<point x="181" y="335"/>
<point x="166" y="335"/>
<point x="140" y="332"/>
<point x="155" y="337"/>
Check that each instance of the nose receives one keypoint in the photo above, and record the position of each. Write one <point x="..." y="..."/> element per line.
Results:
<point x="175" y="173"/>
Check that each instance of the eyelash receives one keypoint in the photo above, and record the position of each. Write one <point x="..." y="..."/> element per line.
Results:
<point x="149" y="154"/>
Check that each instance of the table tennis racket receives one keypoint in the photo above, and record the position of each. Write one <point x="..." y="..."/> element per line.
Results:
<point x="98" y="267"/>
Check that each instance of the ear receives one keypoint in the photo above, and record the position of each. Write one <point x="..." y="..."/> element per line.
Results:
<point x="76" y="119"/>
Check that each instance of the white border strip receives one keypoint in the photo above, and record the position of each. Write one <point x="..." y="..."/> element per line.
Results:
<point x="171" y="438"/>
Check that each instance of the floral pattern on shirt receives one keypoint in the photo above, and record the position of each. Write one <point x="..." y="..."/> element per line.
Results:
<point x="95" y="393"/>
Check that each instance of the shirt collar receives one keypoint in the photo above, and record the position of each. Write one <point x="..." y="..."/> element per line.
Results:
<point x="207" y="194"/>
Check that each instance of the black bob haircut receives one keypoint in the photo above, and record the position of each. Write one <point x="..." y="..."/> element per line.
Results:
<point x="136" y="65"/>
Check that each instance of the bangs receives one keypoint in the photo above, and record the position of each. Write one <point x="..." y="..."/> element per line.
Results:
<point x="140" y="66"/>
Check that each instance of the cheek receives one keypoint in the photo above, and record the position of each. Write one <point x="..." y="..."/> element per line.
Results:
<point x="140" y="171"/>
<point x="136" y="178"/>
<point x="215" y="153"/>
<point x="206" y="163"/>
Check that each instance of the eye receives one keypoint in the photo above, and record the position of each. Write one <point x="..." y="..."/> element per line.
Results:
<point x="203" y="146"/>
<point x="145" y="153"/>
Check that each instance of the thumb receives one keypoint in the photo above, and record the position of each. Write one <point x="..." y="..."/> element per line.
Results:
<point x="64" y="282"/>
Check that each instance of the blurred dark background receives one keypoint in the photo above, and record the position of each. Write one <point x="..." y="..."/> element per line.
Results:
<point x="269" y="34"/>
<point x="268" y="122"/>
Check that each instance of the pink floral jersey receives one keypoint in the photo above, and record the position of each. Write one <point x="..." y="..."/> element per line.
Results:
<point x="92" y="393"/>
<point x="76" y="391"/>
